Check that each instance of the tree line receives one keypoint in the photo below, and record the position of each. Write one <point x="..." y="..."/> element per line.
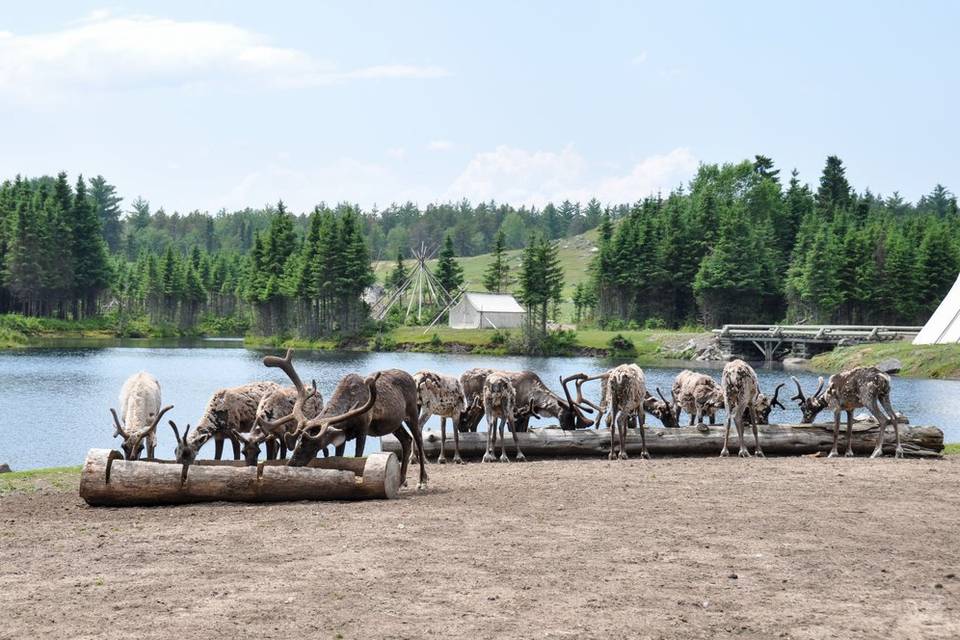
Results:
<point x="738" y="244"/>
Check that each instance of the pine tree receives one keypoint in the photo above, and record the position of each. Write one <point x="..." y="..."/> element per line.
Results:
<point x="91" y="266"/>
<point x="448" y="270"/>
<point x="106" y="203"/>
<point x="399" y="274"/>
<point x="496" y="278"/>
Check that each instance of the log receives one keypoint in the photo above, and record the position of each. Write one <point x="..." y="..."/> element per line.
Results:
<point x="110" y="481"/>
<point x="775" y="439"/>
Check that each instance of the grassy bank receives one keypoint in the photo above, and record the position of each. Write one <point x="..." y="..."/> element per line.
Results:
<point x="57" y="478"/>
<point x="922" y="361"/>
<point x="647" y="345"/>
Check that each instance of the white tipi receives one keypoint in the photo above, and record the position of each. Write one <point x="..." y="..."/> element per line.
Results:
<point x="943" y="327"/>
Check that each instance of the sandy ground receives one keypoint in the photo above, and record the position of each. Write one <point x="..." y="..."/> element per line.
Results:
<point x="693" y="548"/>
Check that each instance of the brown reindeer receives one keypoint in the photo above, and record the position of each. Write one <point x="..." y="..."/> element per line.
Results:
<point x="499" y="405"/>
<point x="740" y="388"/>
<point x="865" y="387"/>
<point x="375" y="406"/>
<point x="273" y="406"/>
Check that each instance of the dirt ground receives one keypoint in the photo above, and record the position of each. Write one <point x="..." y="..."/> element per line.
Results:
<point x="683" y="548"/>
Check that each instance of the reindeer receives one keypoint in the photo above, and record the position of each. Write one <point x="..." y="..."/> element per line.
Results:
<point x="140" y="408"/>
<point x="228" y="411"/>
<point x="698" y="394"/>
<point x="499" y="405"/>
<point x="660" y="409"/>
<point x="441" y="395"/>
<point x="272" y="406"/>
<point x="764" y="404"/>
<point x="359" y="407"/>
<point x="625" y="391"/>
<point x="740" y="388"/>
<point x="533" y="398"/>
<point x="865" y="387"/>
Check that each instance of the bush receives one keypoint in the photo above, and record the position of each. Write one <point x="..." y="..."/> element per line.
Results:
<point x="499" y="338"/>
<point x="654" y="323"/>
<point x="435" y="341"/>
<point x="384" y="342"/>
<point x="622" y="346"/>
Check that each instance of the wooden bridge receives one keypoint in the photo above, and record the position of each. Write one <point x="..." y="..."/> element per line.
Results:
<point x="774" y="341"/>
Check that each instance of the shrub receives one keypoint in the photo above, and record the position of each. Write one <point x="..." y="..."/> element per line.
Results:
<point x="622" y="346"/>
<point x="654" y="323"/>
<point x="499" y="338"/>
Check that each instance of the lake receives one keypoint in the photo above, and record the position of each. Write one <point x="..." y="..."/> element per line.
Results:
<point x="54" y="401"/>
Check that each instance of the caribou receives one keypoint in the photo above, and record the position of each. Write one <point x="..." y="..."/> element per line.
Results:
<point x="228" y="411"/>
<point x="533" y="398"/>
<point x="499" y="405"/>
<point x="740" y="389"/>
<point x="272" y="406"/>
<point x="377" y="405"/>
<point x="698" y="394"/>
<point x="624" y="391"/>
<point x="441" y="395"/>
<point x="861" y="387"/>
<point x="140" y="414"/>
<point x="764" y="404"/>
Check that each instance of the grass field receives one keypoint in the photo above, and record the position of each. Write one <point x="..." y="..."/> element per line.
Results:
<point x="575" y="255"/>
<point x="60" y="478"/>
<point x="925" y="361"/>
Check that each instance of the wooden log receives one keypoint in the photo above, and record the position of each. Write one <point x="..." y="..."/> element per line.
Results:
<point x="775" y="439"/>
<point x="109" y="480"/>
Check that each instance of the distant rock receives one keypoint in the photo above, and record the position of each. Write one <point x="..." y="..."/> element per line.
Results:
<point x="866" y="417"/>
<point x="5" y="468"/>
<point x="890" y="365"/>
<point x="795" y="363"/>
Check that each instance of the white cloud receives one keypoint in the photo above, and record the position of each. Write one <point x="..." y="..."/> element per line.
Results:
<point x="104" y="52"/>
<point x="518" y="176"/>
<point x="640" y="58"/>
<point x="440" y="145"/>
<point x="397" y="153"/>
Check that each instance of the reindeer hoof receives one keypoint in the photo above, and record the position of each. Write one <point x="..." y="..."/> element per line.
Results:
<point x="612" y="456"/>
<point x="898" y="453"/>
<point x="849" y="454"/>
<point x="744" y="453"/>
<point x="421" y="486"/>
<point x="487" y="457"/>
<point x="724" y="454"/>
<point x="645" y="455"/>
<point x="877" y="453"/>
<point x="504" y="458"/>
<point x="623" y="456"/>
<point x="458" y="460"/>
<point x="441" y="461"/>
<point x="759" y="454"/>
<point x="521" y="458"/>
<point x="832" y="454"/>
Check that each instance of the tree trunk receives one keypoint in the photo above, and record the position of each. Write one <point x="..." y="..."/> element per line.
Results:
<point x="109" y="480"/>
<point x="783" y="439"/>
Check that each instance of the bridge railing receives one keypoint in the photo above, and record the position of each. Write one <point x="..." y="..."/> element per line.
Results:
<point x="815" y="332"/>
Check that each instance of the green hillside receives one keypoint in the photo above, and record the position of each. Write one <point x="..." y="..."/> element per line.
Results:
<point x="576" y="252"/>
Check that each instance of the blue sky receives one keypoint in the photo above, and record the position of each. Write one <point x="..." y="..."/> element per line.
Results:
<point x="230" y="104"/>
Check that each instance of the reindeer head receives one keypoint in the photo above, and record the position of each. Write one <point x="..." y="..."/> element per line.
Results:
<point x="661" y="409"/>
<point x="809" y="406"/>
<point x="572" y="411"/>
<point x="250" y="444"/>
<point x="133" y="440"/>
<point x="186" y="452"/>
<point x="764" y="405"/>
<point x="312" y="435"/>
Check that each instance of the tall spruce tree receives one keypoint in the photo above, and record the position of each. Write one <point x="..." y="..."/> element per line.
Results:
<point x="496" y="278"/>
<point x="448" y="270"/>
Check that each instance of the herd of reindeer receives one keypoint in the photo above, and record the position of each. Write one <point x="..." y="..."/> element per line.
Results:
<point x="394" y="402"/>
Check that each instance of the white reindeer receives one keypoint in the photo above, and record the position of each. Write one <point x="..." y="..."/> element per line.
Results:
<point x="499" y="402"/>
<point x="140" y="414"/>
<point x="740" y="389"/>
<point x="441" y="395"/>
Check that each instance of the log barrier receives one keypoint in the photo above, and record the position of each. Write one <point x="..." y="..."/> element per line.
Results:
<point x="110" y="481"/>
<point x="775" y="439"/>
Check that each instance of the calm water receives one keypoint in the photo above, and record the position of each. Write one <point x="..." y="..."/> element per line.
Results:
<point x="54" y="402"/>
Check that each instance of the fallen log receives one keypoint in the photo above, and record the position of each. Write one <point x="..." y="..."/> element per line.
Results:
<point x="776" y="439"/>
<point x="109" y="480"/>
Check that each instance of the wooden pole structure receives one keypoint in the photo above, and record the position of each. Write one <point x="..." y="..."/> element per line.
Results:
<point x="109" y="480"/>
<point x="782" y="439"/>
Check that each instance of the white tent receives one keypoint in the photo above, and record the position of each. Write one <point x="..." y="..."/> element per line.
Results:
<point x="943" y="327"/>
<point x="486" y="311"/>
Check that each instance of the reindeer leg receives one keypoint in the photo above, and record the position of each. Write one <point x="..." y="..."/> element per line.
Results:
<point x="896" y="426"/>
<point x="442" y="459"/>
<point x="726" y="437"/>
<point x="849" y="453"/>
<point x="414" y="428"/>
<point x="271" y="448"/>
<point x="152" y="446"/>
<point x="456" y="439"/>
<point x="625" y="420"/>
<point x="836" y="431"/>
<point x="218" y="446"/>
<point x="741" y="416"/>
<point x="756" y="435"/>
<point x="643" y="438"/>
<point x="503" y="440"/>
<point x="405" y="447"/>
<point x="358" y="446"/>
<point x="882" y="422"/>
<point x="614" y="427"/>
<point x="516" y="442"/>
<point x="491" y="430"/>
<point x="283" y="450"/>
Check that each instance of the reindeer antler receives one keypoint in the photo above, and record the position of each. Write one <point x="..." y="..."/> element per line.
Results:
<point x="119" y="428"/>
<point x="578" y="405"/>
<point x="776" y="393"/>
<point x="285" y="364"/>
<point x="816" y="394"/>
<point x="799" y="395"/>
<point x="176" y="434"/>
<point x="325" y="423"/>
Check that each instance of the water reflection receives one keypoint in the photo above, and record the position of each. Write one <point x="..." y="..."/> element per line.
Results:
<point x="54" y="401"/>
